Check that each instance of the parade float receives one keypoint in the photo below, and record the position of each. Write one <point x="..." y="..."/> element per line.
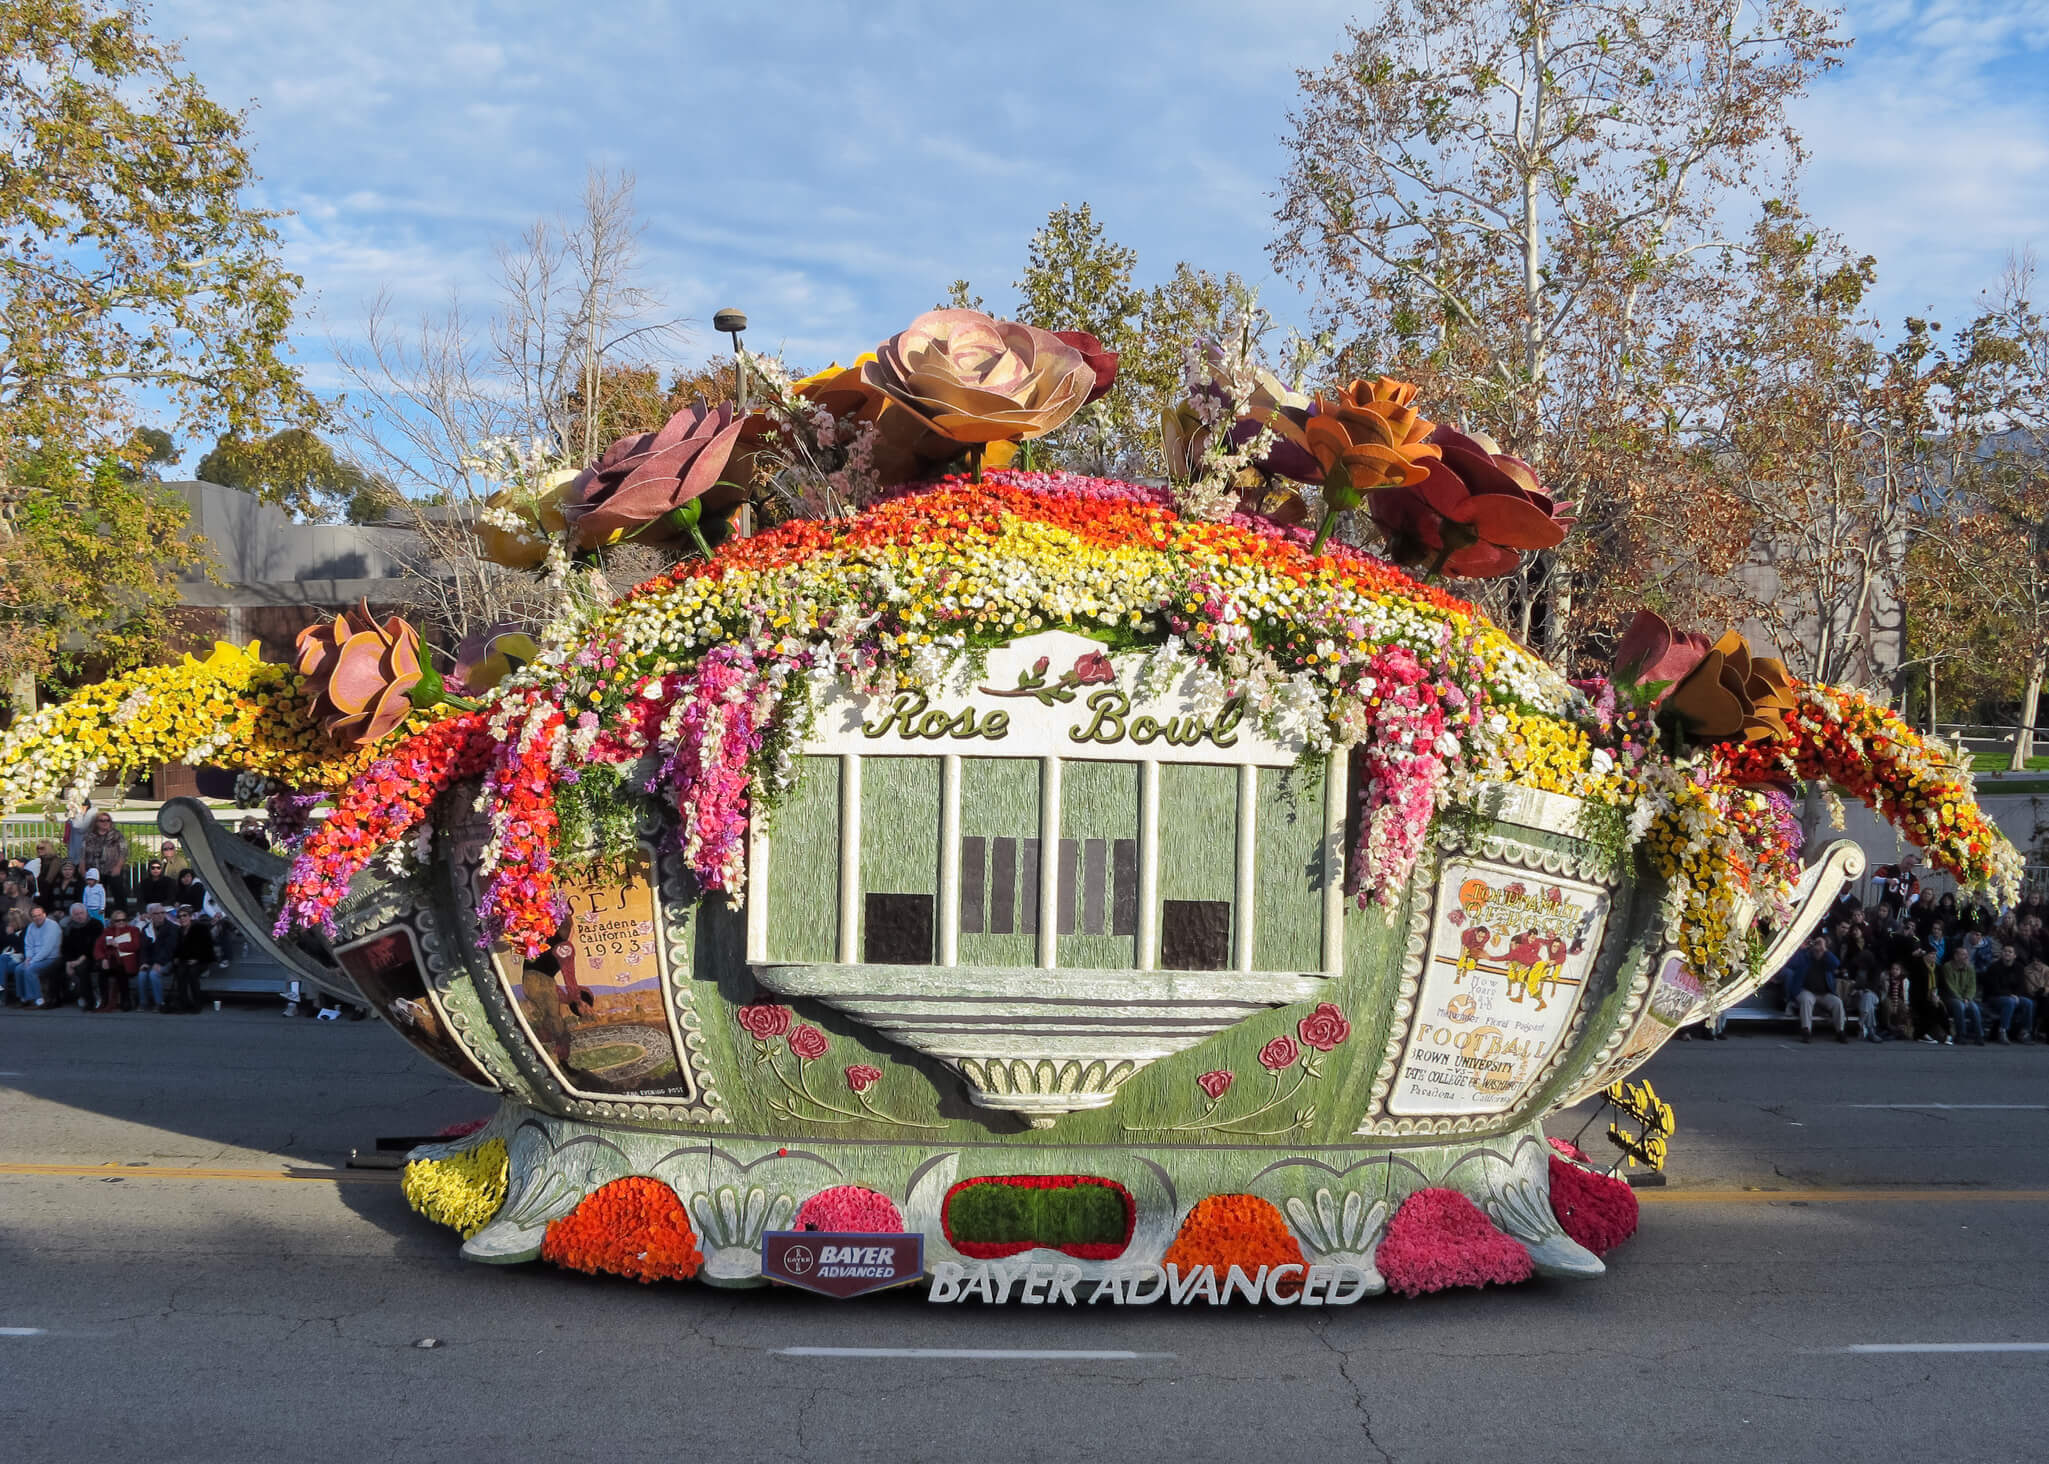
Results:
<point x="1099" y="879"/>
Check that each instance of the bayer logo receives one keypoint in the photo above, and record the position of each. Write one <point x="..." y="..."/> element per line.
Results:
<point x="797" y="1260"/>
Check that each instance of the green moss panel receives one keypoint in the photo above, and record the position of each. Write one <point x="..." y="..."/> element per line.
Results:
<point x="804" y="867"/>
<point x="999" y="825"/>
<point x="1098" y="904"/>
<point x="1198" y="856"/>
<point x="1287" y="902"/>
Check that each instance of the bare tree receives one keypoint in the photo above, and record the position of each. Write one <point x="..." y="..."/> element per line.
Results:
<point x="457" y="409"/>
<point x="1520" y="200"/>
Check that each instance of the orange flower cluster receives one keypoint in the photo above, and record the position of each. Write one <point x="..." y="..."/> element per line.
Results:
<point x="631" y="1227"/>
<point x="1235" y="1230"/>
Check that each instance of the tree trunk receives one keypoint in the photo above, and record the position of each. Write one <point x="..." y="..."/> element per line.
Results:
<point x="1931" y="699"/>
<point x="2024" y="735"/>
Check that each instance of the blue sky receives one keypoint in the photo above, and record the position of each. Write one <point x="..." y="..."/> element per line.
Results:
<point x="830" y="168"/>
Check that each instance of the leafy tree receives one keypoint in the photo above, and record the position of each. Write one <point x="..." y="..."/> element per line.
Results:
<point x="960" y="295"/>
<point x="301" y="472"/>
<point x="130" y="258"/>
<point x="1077" y="278"/>
<point x="93" y="554"/>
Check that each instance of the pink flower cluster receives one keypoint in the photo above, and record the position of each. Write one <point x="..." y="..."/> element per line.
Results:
<point x="520" y="903"/>
<point x="715" y="737"/>
<point x="1400" y="768"/>
<point x="1439" y="1238"/>
<point x="851" y="1209"/>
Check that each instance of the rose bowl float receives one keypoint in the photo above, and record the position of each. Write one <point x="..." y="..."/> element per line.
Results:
<point x="1061" y="869"/>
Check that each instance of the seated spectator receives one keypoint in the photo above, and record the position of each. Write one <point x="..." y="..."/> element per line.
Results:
<point x="1959" y="982"/>
<point x="1931" y="1017"/>
<point x="2004" y="992"/>
<point x="1810" y="981"/>
<point x="120" y="960"/>
<point x="160" y="938"/>
<point x="171" y="857"/>
<point x="15" y="895"/>
<point x="1895" y="1004"/>
<point x="63" y="886"/>
<point x="195" y="953"/>
<point x="156" y="887"/>
<point x="81" y="945"/>
<point x="42" y="957"/>
<point x="45" y="858"/>
<point x="11" y="962"/>
<point x="1866" y="985"/>
<point x="2035" y="984"/>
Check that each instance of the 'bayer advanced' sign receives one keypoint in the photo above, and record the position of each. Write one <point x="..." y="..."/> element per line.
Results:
<point x="841" y="1263"/>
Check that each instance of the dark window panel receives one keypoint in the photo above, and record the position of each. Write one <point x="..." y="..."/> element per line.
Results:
<point x="1124" y="903"/>
<point x="897" y="930"/>
<point x="1195" y="935"/>
<point x="1070" y="856"/>
<point x="974" y="884"/>
<point x="1094" y="857"/>
<point x="1002" y="886"/>
<point x="1028" y="887"/>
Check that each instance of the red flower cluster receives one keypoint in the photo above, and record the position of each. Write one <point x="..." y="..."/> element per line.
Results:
<point x="1839" y="736"/>
<point x="1597" y="1210"/>
<point x="383" y="803"/>
<point x="1236" y="1230"/>
<point x="631" y="1227"/>
<point x="520" y="903"/>
<point x="1439" y="1238"/>
<point x="808" y="1042"/>
<point x="861" y="1077"/>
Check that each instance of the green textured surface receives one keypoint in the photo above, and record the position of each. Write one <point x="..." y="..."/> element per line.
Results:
<point x="1198" y="835"/>
<point x="1287" y="900"/>
<point x="1098" y="800"/>
<point x="900" y="825"/>
<point x="1076" y="1214"/>
<point x="999" y="799"/>
<point x="803" y="867"/>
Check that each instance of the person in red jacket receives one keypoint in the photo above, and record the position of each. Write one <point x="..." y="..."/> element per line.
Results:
<point x="120" y="956"/>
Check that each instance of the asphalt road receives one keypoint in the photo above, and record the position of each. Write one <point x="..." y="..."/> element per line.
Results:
<point x="226" y="1319"/>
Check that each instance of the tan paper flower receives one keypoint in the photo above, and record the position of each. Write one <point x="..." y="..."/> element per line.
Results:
<point x="361" y="674"/>
<point x="977" y="380"/>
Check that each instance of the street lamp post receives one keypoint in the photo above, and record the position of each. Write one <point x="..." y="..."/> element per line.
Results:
<point x="732" y="322"/>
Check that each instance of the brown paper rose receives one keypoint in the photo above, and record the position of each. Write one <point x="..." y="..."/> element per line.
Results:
<point x="977" y="380"/>
<point x="1732" y="694"/>
<point x="639" y="485"/>
<point x="361" y="674"/>
<point x="1478" y="510"/>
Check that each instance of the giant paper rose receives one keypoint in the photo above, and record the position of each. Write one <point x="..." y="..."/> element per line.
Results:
<point x="1732" y="694"/>
<point x="1475" y="512"/>
<point x="977" y="380"/>
<point x="1367" y="436"/>
<point x="1101" y="362"/>
<point x="362" y="674"/>
<point x="644" y="486"/>
<point x="1652" y="653"/>
<point x="515" y="526"/>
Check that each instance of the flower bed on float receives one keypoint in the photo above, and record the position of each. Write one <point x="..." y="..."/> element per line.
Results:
<point x="696" y="702"/>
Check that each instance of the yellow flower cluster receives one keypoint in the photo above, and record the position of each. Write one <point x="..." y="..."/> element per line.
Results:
<point x="462" y="1191"/>
<point x="1700" y="849"/>
<point x="1557" y="756"/>
<point x="233" y="709"/>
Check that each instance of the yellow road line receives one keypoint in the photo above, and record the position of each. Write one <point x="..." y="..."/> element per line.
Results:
<point x="1835" y="1196"/>
<point x="116" y="1170"/>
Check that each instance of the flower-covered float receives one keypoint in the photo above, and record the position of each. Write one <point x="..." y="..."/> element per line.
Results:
<point x="1066" y="870"/>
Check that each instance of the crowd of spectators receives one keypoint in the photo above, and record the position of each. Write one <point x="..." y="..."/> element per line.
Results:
<point x="79" y="926"/>
<point x="1910" y="969"/>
